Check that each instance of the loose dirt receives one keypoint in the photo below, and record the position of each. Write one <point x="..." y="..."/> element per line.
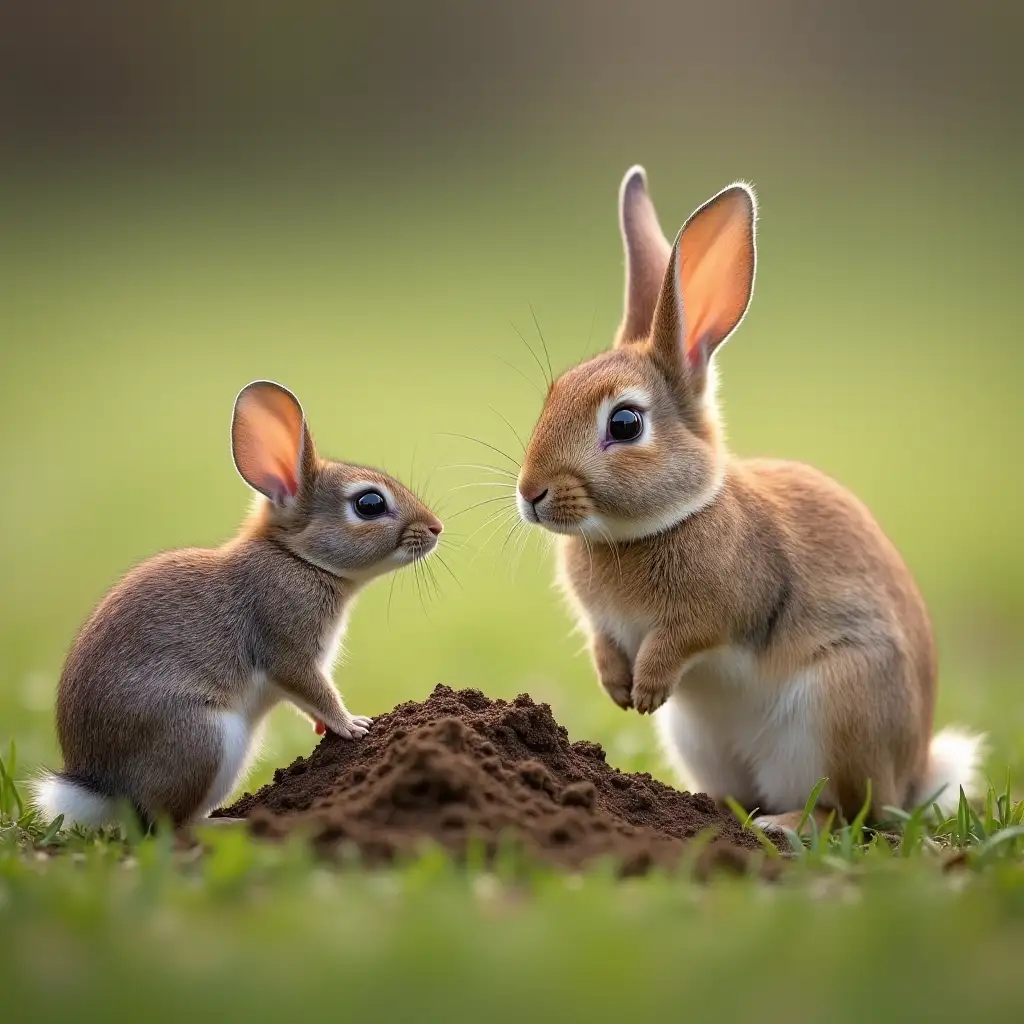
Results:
<point x="460" y="769"/>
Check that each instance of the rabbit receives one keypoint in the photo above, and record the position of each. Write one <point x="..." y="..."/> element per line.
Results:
<point x="164" y="692"/>
<point x="754" y="606"/>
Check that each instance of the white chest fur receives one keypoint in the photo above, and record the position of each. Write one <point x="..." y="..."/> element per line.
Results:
<point x="727" y="730"/>
<point x="330" y="642"/>
<point x="730" y="732"/>
<point x="241" y="727"/>
<point x="241" y="730"/>
<point x="627" y="633"/>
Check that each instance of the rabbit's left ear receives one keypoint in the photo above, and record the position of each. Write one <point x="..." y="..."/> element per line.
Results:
<point x="647" y="253"/>
<point x="710" y="280"/>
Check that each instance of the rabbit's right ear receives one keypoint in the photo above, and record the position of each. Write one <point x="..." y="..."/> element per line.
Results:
<point x="647" y="256"/>
<point x="269" y="440"/>
<point x="708" y="284"/>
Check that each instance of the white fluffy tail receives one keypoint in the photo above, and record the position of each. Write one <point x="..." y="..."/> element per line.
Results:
<point x="954" y="762"/>
<point x="54" y="794"/>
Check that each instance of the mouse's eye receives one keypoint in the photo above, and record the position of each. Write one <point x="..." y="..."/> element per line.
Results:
<point x="370" y="505"/>
<point x="625" y="424"/>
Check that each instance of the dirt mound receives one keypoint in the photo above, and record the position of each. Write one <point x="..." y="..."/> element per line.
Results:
<point x="460" y="767"/>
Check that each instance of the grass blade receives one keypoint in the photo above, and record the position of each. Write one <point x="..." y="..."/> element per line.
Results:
<point x="1006" y="803"/>
<point x="812" y="802"/>
<point x="963" y="820"/>
<point x="741" y="815"/>
<point x="796" y="843"/>
<point x="747" y="821"/>
<point x="51" y="831"/>
<point x="11" y="804"/>
<point x="1006" y="835"/>
<point x="5" y="801"/>
<point x="857" y="825"/>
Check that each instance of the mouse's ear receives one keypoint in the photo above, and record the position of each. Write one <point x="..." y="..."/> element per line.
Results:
<point x="270" y="442"/>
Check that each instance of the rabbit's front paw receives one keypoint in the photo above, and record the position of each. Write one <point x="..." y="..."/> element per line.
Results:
<point x="614" y="670"/>
<point x="647" y="698"/>
<point x="619" y="686"/>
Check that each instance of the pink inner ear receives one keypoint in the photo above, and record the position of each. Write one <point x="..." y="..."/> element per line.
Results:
<point x="282" y="484"/>
<point x="697" y="352"/>
<point x="716" y="272"/>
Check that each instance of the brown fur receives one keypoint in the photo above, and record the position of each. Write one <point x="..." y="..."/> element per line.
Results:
<point x="733" y="588"/>
<point x="192" y="633"/>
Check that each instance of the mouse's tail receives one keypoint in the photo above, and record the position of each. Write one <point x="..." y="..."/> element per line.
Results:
<point x="59" y="793"/>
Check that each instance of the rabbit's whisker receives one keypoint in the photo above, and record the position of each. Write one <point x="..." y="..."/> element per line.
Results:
<point x="512" y="366"/>
<point x="476" y="440"/>
<point x="502" y="513"/>
<point x="477" y="465"/>
<point x="522" y="443"/>
<point x="606" y="536"/>
<point x="486" y="501"/>
<point x="486" y="483"/>
<point x="529" y="348"/>
<point x="502" y="523"/>
<point x="547" y="354"/>
<point x="590" y="333"/>
<point x="590" y="552"/>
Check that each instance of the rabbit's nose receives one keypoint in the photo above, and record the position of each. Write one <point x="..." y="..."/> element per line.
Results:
<point x="534" y="496"/>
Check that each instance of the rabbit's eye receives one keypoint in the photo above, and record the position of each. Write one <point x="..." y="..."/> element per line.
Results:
<point x="370" y="505"/>
<point x="625" y="424"/>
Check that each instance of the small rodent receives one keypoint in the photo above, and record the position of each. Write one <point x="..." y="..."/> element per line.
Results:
<point x="165" y="690"/>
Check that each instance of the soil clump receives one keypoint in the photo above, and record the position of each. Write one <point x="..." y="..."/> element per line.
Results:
<point x="461" y="769"/>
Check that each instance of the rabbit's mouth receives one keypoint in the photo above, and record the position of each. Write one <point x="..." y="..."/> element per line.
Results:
<point x="560" y="509"/>
<point x="413" y="548"/>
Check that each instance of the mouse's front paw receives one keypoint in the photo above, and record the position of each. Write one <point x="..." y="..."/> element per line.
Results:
<point x="351" y="727"/>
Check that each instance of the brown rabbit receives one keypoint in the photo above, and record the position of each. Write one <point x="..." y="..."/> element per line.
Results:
<point x="755" y="605"/>
<point x="166" y="687"/>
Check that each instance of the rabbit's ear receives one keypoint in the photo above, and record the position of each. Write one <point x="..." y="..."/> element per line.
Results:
<point x="269" y="440"/>
<point x="709" y="282"/>
<point x="647" y="254"/>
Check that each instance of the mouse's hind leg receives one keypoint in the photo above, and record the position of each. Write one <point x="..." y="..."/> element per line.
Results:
<point x="192" y="766"/>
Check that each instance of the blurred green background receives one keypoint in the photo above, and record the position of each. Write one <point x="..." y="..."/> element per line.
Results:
<point x="357" y="202"/>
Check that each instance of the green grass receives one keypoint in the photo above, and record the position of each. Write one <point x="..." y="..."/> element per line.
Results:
<point x="150" y="927"/>
<point x="133" y="312"/>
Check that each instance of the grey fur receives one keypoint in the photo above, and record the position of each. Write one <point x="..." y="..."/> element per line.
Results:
<point x="192" y="636"/>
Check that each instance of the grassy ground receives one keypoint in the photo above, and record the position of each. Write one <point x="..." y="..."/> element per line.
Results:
<point x="132" y="314"/>
<point x="931" y="930"/>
